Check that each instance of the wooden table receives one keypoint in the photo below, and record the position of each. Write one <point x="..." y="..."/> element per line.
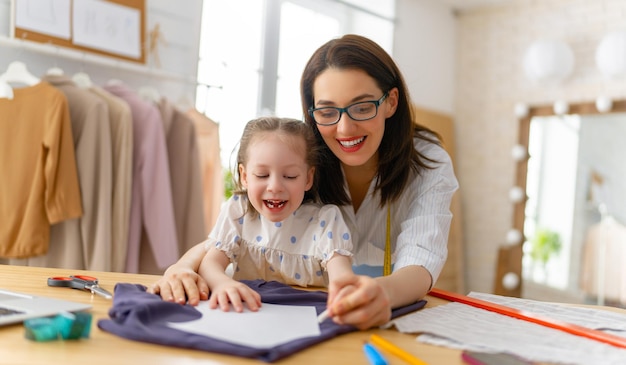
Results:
<point x="106" y="348"/>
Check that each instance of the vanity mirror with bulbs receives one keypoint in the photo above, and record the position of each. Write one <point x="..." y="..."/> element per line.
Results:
<point x="568" y="231"/>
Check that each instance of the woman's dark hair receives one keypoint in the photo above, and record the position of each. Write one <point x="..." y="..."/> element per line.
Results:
<point x="280" y="127"/>
<point x="397" y="156"/>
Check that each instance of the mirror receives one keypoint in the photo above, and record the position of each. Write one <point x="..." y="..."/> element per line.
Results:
<point x="572" y="219"/>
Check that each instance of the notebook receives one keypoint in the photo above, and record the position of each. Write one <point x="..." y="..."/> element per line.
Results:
<point x="16" y="307"/>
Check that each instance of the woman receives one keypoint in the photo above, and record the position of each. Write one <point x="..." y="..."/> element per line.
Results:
<point x="391" y="179"/>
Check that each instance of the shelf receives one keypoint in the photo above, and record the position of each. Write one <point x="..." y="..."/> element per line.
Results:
<point x="94" y="59"/>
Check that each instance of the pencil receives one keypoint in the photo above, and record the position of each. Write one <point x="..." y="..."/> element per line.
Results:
<point x="322" y="316"/>
<point x="395" y="350"/>
<point x="374" y="357"/>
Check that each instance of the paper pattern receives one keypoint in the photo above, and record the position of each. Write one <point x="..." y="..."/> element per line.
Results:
<point x="462" y="326"/>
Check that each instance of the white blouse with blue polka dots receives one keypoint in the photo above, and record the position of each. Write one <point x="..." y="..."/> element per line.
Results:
<point x="294" y="251"/>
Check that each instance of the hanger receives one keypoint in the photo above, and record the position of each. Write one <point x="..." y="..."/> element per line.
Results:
<point x="6" y="91"/>
<point x="54" y="71"/>
<point x="18" y="73"/>
<point x="150" y="94"/>
<point x="82" y="80"/>
<point x="115" y="82"/>
<point x="184" y="102"/>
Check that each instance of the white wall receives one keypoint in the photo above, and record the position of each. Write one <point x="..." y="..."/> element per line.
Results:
<point x="424" y="49"/>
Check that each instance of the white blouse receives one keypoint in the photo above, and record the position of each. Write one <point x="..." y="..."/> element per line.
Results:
<point x="294" y="251"/>
<point x="420" y="220"/>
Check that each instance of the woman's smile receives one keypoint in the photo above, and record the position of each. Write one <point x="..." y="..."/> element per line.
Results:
<point x="351" y="144"/>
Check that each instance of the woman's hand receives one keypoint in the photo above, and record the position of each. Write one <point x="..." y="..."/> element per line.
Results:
<point x="231" y="291"/>
<point x="366" y="302"/>
<point x="181" y="284"/>
<point x="360" y="301"/>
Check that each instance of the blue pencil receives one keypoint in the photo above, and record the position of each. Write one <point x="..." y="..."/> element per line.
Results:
<point x="374" y="357"/>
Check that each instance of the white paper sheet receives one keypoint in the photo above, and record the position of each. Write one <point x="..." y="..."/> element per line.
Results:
<point x="107" y="26"/>
<point x="272" y="325"/>
<point x="461" y="326"/>
<point x="50" y="17"/>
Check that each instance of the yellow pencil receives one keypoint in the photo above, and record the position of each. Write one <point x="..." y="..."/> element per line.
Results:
<point x="395" y="350"/>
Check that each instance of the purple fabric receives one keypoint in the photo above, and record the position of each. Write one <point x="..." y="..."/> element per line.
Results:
<point x="140" y="316"/>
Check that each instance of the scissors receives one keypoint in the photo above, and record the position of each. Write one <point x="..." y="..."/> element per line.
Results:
<point x="82" y="282"/>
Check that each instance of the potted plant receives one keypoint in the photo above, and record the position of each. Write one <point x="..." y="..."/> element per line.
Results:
<point x="229" y="184"/>
<point x="546" y="243"/>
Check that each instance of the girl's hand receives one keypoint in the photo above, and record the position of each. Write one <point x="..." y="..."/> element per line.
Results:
<point x="360" y="301"/>
<point x="232" y="291"/>
<point x="181" y="285"/>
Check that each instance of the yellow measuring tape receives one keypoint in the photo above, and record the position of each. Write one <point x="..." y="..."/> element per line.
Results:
<point x="387" y="264"/>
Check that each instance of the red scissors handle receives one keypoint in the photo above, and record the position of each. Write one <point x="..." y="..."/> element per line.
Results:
<point x="86" y="278"/>
<point x="74" y="281"/>
<point x="83" y="282"/>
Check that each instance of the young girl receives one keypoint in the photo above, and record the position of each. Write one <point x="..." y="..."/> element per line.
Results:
<point x="271" y="228"/>
<point x="390" y="177"/>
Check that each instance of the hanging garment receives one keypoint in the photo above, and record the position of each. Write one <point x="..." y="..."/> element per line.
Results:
<point x="140" y="316"/>
<point x="184" y="161"/>
<point x="121" y="121"/>
<point x="605" y="245"/>
<point x="210" y="164"/>
<point x="42" y="187"/>
<point x="84" y="243"/>
<point x="151" y="207"/>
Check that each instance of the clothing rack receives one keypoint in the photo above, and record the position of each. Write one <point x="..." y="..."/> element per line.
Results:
<point x="116" y="122"/>
<point x="95" y="59"/>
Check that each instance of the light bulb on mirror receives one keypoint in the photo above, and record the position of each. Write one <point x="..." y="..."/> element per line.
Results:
<point x="516" y="194"/>
<point x="604" y="104"/>
<point x="513" y="237"/>
<point x="510" y="281"/>
<point x="519" y="152"/>
<point x="560" y="107"/>
<point x="521" y="110"/>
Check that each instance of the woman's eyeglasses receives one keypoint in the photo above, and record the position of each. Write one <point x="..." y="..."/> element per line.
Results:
<point x="363" y="110"/>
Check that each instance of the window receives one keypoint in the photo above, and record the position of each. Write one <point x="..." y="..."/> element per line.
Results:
<point x="252" y="54"/>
